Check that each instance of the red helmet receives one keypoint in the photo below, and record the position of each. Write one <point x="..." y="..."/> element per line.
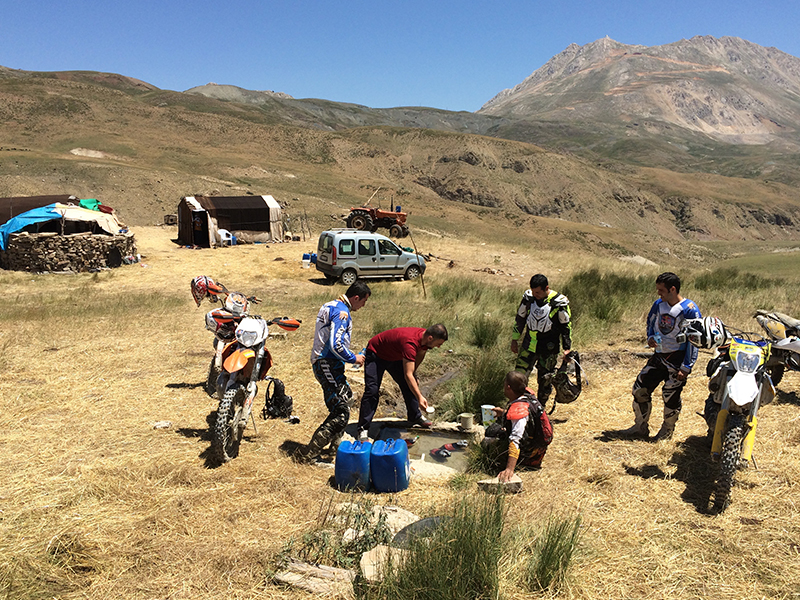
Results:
<point x="205" y="287"/>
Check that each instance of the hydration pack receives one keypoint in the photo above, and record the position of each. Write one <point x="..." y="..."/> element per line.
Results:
<point x="277" y="404"/>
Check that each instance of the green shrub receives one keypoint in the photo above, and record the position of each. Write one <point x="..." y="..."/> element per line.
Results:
<point x="730" y="278"/>
<point x="326" y="543"/>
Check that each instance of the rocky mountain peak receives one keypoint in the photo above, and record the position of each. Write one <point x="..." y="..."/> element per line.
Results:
<point x="726" y="88"/>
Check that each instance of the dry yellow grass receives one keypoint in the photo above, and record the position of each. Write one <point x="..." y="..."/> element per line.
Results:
<point x="95" y="503"/>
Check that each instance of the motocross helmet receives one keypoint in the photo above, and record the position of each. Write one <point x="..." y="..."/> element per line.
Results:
<point x="708" y="332"/>
<point x="236" y="303"/>
<point x="566" y="391"/>
<point x="205" y="287"/>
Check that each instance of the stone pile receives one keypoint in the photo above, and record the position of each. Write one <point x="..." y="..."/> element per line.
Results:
<point x="39" y="252"/>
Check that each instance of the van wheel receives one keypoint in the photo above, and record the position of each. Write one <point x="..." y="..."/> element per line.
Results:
<point x="412" y="272"/>
<point x="349" y="276"/>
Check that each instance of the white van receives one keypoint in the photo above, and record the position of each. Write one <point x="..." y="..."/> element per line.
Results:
<point x="348" y="254"/>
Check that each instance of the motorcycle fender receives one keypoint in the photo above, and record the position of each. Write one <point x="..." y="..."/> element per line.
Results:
<point x="743" y="388"/>
<point x="749" y="440"/>
<point x="722" y="418"/>
<point x="238" y="359"/>
<point x="792" y="344"/>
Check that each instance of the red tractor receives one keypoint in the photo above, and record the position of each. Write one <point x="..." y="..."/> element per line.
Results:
<point x="369" y="219"/>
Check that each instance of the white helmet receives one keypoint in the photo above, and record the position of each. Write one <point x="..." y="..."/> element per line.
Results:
<point x="708" y="332"/>
<point x="236" y="303"/>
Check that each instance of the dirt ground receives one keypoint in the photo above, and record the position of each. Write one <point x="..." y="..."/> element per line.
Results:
<point x="97" y="503"/>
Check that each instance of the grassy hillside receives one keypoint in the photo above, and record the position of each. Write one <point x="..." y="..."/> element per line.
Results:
<point x="140" y="149"/>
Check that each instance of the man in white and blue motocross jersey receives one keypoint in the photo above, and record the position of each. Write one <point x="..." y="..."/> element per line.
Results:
<point x="329" y="354"/>
<point x="671" y="362"/>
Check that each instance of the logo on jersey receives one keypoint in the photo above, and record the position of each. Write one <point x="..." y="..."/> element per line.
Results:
<point x="666" y="323"/>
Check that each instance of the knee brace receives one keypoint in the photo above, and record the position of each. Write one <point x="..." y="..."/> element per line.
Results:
<point x="642" y="395"/>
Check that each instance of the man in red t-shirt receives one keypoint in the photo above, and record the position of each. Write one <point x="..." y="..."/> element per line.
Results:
<point x="399" y="352"/>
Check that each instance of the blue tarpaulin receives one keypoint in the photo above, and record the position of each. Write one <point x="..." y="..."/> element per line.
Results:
<point x="51" y="212"/>
<point x="37" y="215"/>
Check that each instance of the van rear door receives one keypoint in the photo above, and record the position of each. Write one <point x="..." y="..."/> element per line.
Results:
<point x="325" y="249"/>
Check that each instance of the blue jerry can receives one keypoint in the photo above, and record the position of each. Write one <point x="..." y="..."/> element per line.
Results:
<point x="389" y="465"/>
<point x="352" y="466"/>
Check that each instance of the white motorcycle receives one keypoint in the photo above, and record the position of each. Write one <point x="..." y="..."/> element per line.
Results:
<point x="740" y="384"/>
<point x="245" y="362"/>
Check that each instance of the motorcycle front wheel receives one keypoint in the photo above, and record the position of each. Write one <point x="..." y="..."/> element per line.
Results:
<point x="211" y="379"/>
<point x="228" y="428"/>
<point x="729" y="460"/>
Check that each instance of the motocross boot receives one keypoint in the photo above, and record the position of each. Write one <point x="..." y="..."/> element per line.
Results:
<point x="668" y="426"/>
<point x="641" y="414"/>
<point x="320" y="439"/>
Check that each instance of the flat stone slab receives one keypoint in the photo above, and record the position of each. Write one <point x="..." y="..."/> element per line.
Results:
<point x="321" y="580"/>
<point x="495" y="486"/>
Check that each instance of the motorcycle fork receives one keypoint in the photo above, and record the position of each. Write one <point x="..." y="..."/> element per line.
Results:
<point x="750" y="438"/>
<point x="248" y="403"/>
<point x="752" y="423"/>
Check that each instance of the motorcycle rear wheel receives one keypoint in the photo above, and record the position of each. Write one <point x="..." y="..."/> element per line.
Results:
<point x="228" y="428"/>
<point x="729" y="460"/>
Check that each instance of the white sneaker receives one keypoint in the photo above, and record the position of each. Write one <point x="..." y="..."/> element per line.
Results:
<point x="363" y="435"/>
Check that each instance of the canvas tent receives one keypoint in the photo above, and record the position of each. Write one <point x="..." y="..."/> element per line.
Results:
<point x="60" y="218"/>
<point x="249" y="218"/>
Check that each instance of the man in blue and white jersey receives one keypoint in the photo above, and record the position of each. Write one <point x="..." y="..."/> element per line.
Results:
<point x="329" y="354"/>
<point x="671" y="362"/>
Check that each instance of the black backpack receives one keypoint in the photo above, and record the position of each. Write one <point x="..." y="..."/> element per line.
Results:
<point x="277" y="404"/>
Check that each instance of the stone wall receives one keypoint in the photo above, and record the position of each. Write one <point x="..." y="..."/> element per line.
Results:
<point x="81" y="252"/>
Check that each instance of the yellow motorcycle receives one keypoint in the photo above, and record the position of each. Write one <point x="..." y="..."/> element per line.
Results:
<point x="739" y="384"/>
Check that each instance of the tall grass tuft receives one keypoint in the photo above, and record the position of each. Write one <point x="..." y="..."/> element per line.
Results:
<point x="552" y="553"/>
<point x="483" y="383"/>
<point x="459" y="561"/>
<point x="485" y="331"/>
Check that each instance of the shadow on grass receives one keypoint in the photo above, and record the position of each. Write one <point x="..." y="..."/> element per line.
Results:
<point x="694" y="468"/>
<point x="323" y="281"/>
<point x="184" y="385"/>
<point x="788" y="398"/>
<point x="616" y="435"/>
<point x="209" y="460"/>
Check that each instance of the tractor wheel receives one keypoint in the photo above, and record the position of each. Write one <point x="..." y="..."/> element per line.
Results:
<point x="396" y="231"/>
<point x="360" y="219"/>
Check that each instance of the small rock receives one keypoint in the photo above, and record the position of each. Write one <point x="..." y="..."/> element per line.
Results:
<point x="162" y="425"/>
<point x="375" y="562"/>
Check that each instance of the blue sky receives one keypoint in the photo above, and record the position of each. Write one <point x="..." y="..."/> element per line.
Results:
<point x="437" y="53"/>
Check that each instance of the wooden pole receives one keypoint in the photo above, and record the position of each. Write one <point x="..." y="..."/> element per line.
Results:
<point x="421" y="278"/>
